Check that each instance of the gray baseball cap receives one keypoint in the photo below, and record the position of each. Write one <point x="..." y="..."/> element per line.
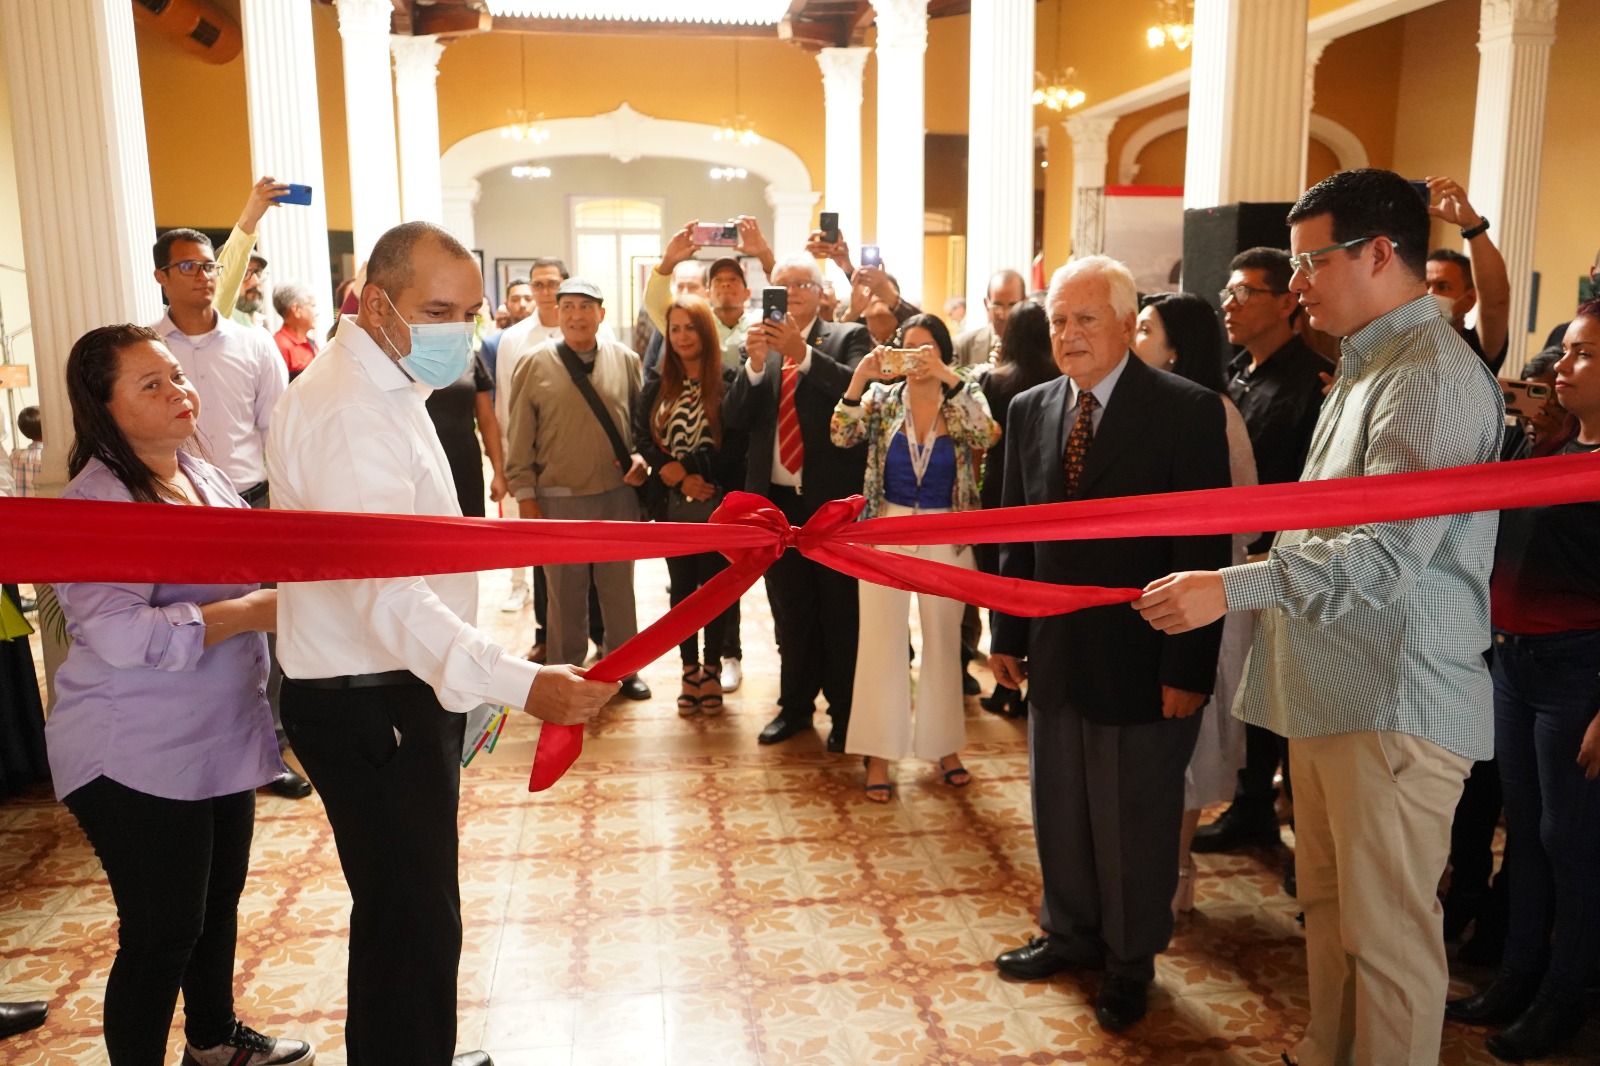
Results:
<point x="580" y="287"/>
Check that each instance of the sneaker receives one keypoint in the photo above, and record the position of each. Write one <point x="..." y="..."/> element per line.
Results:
<point x="732" y="675"/>
<point x="246" y="1047"/>
<point x="515" y="602"/>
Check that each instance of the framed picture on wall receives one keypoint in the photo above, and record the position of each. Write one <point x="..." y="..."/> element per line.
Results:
<point x="508" y="270"/>
<point x="477" y="253"/>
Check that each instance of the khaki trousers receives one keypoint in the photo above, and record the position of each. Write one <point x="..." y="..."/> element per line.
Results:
<point x="1372" y="836"/>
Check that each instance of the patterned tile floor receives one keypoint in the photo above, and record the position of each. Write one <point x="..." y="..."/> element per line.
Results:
<point x="686" y="896"/>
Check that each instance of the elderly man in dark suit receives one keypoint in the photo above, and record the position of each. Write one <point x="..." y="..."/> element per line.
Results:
<point x="1114" y="705"/>
<point x="794" y="373"/>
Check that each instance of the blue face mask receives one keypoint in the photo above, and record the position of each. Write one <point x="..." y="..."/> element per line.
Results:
<point x="440" y="351"/>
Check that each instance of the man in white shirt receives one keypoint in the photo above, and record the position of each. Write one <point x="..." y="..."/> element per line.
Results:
<point x="239" y="374"/>
<point x="379" y="673"/>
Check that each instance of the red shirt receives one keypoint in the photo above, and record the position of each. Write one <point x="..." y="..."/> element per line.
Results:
<point x="297" y="353"/>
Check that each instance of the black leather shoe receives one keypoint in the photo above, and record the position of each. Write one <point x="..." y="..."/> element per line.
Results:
<point x="291" y="785"/>
<point x="836" y="737"/>
<point x="1291" y="885"/>
<point x="634" y="688"/>
<point x="969" y="685"/>
<point x="1039" y="958"/>
<point x="1122" y="1003"/>
<point x="1542" y="1028"/>
<point x="472" y="1058"/>
<point x="20" y="1017"/>
<point x="780" y="729"/>
<point x="1237" y="829"/>
<point x="1506" y="998"/>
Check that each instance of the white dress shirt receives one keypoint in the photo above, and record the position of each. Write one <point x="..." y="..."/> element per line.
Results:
<point x="240" y="375"/>
<point x="354" y="435"/>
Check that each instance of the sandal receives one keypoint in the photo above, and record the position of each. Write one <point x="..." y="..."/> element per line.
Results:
<point x="879" y="793"/>
<point x="710" y="692"/>
<point x="689" y="699"/>
<point x="957" y="776"/>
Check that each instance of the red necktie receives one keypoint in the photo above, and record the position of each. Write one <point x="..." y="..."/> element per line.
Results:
<point x="791" y="449"/>
<point x="1079" y="439"/>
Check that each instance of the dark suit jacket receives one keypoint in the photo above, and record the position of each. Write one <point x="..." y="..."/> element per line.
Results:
<point x="723" y="467"/>
<point x="1159" y="433"/>
<point x="829" y="473"/>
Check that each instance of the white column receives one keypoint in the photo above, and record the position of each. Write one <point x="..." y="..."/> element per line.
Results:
<point x="1514" y="38"/>
<point x="841" y="96"/>
<point x="1089" y="139"/>
<point x="1000" y="143"/>
<point x="369" y="121"/>
<point x="1247" y="118"/>
<point x="902" y="42"/>
<point x="416" y="94"/>
<point x="83" y="183"/>
<point x="791" y="218"/>
<point x="280" y="73"/>
<point x="457" y="213"/>
<point x="1315" y="46"/>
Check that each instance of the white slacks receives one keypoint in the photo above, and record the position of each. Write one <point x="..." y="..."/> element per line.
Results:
<point x="882" y="722"/>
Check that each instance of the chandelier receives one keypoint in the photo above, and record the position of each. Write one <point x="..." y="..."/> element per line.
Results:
<point x="737" y="130"/>
<point x="1057" y="93"/>
<point x="1174" y="25"/>
<point x="729" y="173"/>
<point x="530" y="170"/>
<point x="525" y="127"/>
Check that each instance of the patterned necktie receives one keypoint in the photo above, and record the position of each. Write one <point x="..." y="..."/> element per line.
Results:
<point x="1079" y="439"/>
<point x="791" y="449"/>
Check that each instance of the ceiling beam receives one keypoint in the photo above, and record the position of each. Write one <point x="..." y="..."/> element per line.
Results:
<point x="509" y="24"/>
<point x="447" y="19"/>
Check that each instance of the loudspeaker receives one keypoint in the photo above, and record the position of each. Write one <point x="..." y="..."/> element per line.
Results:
<point x="1212" y="236"/>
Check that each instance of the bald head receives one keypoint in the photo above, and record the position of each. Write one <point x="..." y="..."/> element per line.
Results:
<point x="392" y="265"/>
<point x="418" y="274"/>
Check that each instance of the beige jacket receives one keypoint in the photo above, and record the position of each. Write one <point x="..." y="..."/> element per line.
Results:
<point x="557" y="446"/>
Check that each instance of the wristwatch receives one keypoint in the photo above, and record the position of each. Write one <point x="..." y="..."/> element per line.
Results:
<point x="1481" y="228"/>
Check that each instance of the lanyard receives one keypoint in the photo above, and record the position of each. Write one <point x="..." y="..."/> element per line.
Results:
<point x="921" y="452"/>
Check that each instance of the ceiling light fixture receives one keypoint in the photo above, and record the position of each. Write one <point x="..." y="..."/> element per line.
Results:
<point x="1174" y="25"/>
<point x="737" y="130"/>
<point x="744" y="13"/>
<point x="530" y="171"/>
<point x="1057" y="93"/>
<point x="729" y="173"/>
<point x="524" y="127"/>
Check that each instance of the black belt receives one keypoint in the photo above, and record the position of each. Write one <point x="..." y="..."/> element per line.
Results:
<point x="255" y="493"/>
<point x="784" y="490"/>
<point x="383" y="680"/>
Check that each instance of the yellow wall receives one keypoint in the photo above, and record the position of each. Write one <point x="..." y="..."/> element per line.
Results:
<point x="13" y="286"/>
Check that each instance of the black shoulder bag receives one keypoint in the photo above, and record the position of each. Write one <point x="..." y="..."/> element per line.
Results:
<point x="651" y="498"/>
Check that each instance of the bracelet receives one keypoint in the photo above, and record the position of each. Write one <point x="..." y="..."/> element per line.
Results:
<point x="1476" y="231"/>
<point x="848" y="402"/>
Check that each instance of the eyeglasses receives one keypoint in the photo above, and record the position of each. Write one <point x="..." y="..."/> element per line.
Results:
<point x="190" y="267"/>
<point x="1303" y="264"/>
<point x="1240" y="294"/>
<point x="801" y="286"/>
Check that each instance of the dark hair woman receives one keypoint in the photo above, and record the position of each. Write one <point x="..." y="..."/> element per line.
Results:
<point x="162" y="734"/>
<point x="678" y="423"/>
<point x="1179" y="332"/>
<point x="1025" y="360"/>
<point x="1544" y="604"/>
<point x="922" y="423"/>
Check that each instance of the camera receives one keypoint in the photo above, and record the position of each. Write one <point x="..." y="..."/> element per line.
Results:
<point x="716" y="234"/>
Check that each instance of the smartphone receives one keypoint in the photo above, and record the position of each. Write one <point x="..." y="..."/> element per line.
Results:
<point x="894" y="360"/>
<point x="830" y="226"/>
<point x="1422" y="190"/>
<point x="716" y="234"/>
<point x="1525" y="398"/>
<point x="870" y="256"/>
<point x="297" y="194"/>
<point x="775" y="305"/>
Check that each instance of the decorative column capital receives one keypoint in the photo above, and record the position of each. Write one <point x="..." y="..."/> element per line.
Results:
<point x="1090" y="136"/>
<point x="789" y="200"/>
<point x="902" y="24"/>
<point x="1527" y="20"/>
<point x="364" y="18"/>
<point x="416" y="59"/>
<point x="841" y="74"/>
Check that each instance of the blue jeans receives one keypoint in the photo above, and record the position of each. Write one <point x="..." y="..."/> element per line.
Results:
<point x="1546" y="692"/>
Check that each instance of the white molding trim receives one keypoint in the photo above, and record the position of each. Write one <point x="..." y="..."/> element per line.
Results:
<point x="1349" y="19"/>
<point x="1339" y="139"/>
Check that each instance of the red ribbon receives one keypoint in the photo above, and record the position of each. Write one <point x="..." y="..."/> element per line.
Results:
<point x="79" y="540"/>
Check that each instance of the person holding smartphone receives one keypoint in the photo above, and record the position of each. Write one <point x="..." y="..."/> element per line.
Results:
<point x="924" y="422"/>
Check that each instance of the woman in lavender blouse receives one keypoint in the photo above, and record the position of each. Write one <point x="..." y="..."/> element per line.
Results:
<point x="161" y="732"/>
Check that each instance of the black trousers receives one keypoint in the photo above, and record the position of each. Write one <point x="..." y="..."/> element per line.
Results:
<point x="815" y="617"/>
<point x="688" y="573"/>
<point x="176" y="869"/>
<point x="1107" y="812"/>
<point x="1263" y="751"/>
<point x="387" y="763"/>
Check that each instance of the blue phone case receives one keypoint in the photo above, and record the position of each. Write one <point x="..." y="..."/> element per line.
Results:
<point x="297" y="194"/>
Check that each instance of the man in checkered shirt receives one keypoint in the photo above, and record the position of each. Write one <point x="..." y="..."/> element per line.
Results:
<point x="1368" y="654"/>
